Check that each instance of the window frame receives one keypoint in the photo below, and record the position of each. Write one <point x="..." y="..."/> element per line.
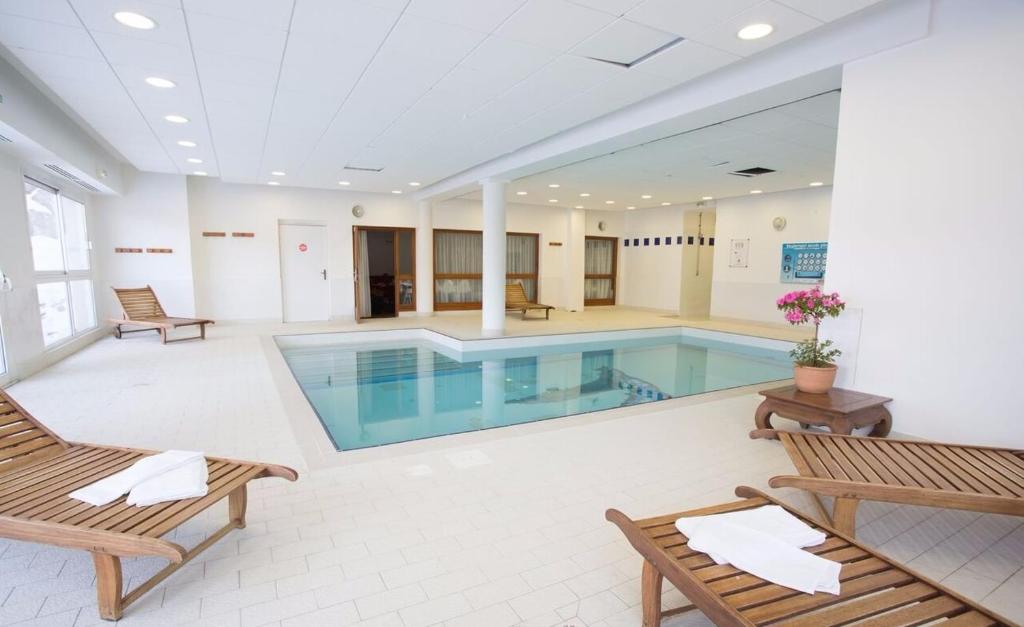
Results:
<point x="65" y="276"/>
<point x="467" y="306"/>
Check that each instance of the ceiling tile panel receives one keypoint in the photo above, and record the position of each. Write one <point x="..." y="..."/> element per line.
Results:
<point x="225" y="36"/>
<point x="685" y="61"/>
<point x="162" y="57"/>
<point x="25" y="34"/>
<point x="56" y="11"/>
<point x="272" y="14"/>
<point x="623" y="41"/>
<point x="98" y="17"/>
<point x="828" y="11"/>
<point x="553" y="24"/>
<point x="478" y="15"/>
<point x="339" y="17"/>
<point x="686" y="18"/>
<point x="787" y="22"/>
<point x="614" y="7"/>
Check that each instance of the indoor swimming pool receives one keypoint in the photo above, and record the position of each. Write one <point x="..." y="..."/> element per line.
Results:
<point x="370" y="393"/>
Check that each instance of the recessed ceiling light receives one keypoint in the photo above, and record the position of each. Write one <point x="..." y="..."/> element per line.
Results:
<point x="552" y="200"/>
<point x="176" y="119"/>
<point x="134" y="20"/>
<point x="579" y="207"/>
<point x="344" y="183"/>
<point x="755" y="31"/>
<point x="817" y="184"/>
<point x="554" y="185"/>
<point x="665" y="204"/>
<point x="162" y="83"/>
<point x="520" y="193"/>
<point x="272" y="183"/>
<point x="646" y="196"/>
<point x="631" y="207"/>
<point x="755" y="191"/>
<point x="609" y="202"/>
<point x="199" y="173"/>
<point x="414" y="183"/>
<point x="277" y="173"/>
<point x="396" y="191"/>
<point x="186" y="143"/>
<point x="194" y="160"/>
<point x="707" y="197"/>
<point x="584" y="195"/>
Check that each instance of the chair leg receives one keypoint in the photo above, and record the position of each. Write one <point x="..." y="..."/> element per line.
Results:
<point x="650" y="592"/>
<point x="844" y="515"/>
<point x="202" y="331"/>
<point x="163" y="335"/>
<point x="237" y="502"/>
<point x="108" y="585"/>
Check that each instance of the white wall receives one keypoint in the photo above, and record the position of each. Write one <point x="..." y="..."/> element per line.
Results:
<point x="651" y="275"/>
<point x="152" y="213"/>
<point x="927" y="222"/>
<point x="240" y="278"/>
<point x="750" y="293"/>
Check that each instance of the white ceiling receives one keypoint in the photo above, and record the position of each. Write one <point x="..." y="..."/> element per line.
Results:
<point x="422" y="88"/>
<point x="797" y="140"/>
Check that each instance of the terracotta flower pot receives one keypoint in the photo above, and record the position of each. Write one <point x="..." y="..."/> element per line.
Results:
<point x="814" y="380"/>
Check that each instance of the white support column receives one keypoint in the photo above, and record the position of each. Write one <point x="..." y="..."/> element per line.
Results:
<point x="494" y="257"/>
<point x="425" y="259"/>
<point x="575" y="257"/>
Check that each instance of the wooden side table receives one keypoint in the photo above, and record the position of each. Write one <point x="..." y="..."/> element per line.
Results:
<point x="840" y="410"/>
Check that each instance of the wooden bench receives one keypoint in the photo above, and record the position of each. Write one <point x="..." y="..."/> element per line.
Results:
<point x="38" y="470"/>
<point x="873" y="588"/>
<point x="515" y="300"/>
<point x="141" y="308"/>
<point x="851" y="468"/>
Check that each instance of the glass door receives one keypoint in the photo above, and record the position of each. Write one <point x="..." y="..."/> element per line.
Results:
<point x="599" y="268"/>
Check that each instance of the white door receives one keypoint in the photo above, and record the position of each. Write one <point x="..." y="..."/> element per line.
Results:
<point x="304" y="286"/>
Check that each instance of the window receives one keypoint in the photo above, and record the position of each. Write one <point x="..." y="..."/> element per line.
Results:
<point x="599" y="270"/>
<point x="458" y="267"/>
<point x="60" y="256"/>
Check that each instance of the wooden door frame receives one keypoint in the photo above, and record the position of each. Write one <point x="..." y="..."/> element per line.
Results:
<point x="473" y="306"/>
<point x="399" y="276"/>
<point x="613" y="276"/>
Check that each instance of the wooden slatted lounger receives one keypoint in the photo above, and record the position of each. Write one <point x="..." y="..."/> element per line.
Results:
<point x="38" y="469"/>
<point x="873" y="588"/>
<point x="142" y="309"/>
<point x="516" y="300"/>
<point x="851" y="468"/>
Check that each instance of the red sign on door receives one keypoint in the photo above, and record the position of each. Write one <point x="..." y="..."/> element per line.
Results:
<point x="303" y="248"/>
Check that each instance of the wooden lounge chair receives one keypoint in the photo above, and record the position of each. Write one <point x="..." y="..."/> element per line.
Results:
<point x="142" y="309"/>
<point x="38" y="470"/>
<point x="515" y="300"/>
<point x="873" y="588"/>
<point x="851" y="468"/>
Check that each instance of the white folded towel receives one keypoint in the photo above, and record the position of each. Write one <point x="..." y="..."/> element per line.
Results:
<point x="770" y="551"/>
<point x="110" y="488"/>
<point x="184" y="482"/>
<point x="770" y="519"/>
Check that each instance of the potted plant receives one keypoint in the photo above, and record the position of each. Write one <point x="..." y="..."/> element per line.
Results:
<point x="814" y="367"/>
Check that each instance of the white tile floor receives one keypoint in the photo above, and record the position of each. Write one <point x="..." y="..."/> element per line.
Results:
<point x="513" y="534"/>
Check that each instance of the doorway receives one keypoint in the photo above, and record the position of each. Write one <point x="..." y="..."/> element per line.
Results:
<point x="599" y="267"/>
<point x="305" y="292"/>
<point x="385" y="271"/>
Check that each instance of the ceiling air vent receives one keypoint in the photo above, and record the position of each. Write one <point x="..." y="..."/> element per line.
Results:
<point x="363" y="169"/>
<point x="6" y="140"/>
<point x="752" y="172"/>
<point x="69" y="176"/>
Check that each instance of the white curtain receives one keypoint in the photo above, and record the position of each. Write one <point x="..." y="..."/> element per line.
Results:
<point x="521" y="254"/>
<point x="364" y="277"/>
<point x="458" y="253"/>
<point x="595" y="289"/>
<point x="597" y="256"/>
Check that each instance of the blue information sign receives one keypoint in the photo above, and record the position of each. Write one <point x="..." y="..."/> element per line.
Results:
<point x="804" y="263"/>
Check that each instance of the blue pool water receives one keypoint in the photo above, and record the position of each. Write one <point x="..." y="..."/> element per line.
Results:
<point x="386" y="392"/>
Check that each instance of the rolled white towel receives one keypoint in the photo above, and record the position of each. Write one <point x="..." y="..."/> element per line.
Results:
<point x="184" y="482"/>
<point x="770" y="519"/>
<point x="110" y="488"/>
